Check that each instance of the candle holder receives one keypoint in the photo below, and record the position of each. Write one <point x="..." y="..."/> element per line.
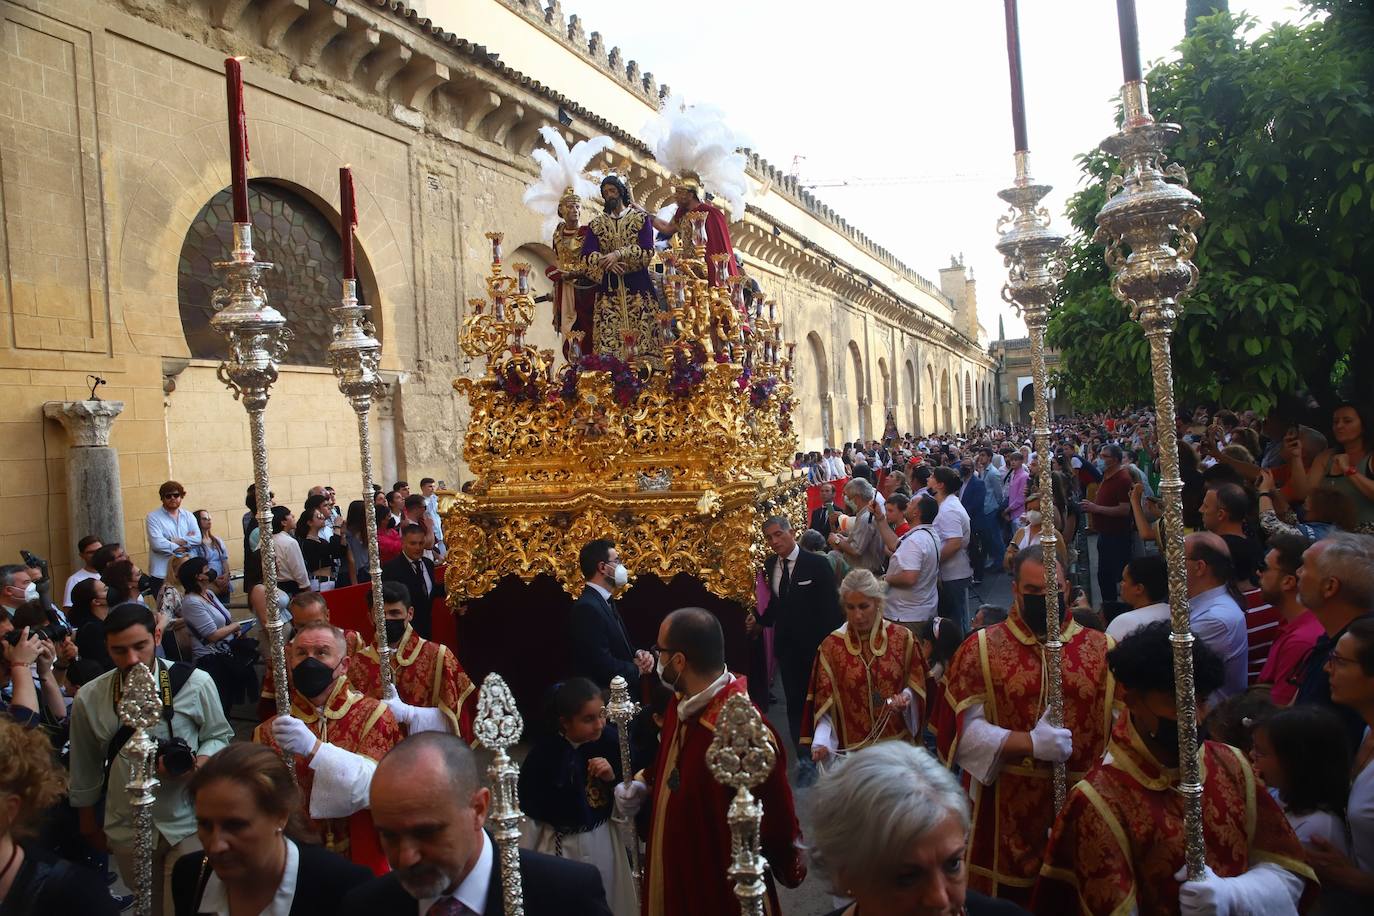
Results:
<point x="257" y="336"/>
<point x="140" y="708"/>
<point x="1033" y="254"/>
<point x="1148" y="227"/>
<point x="621" y="710"/>
<point x="499" y="726"/>
<point x="355" y="354"/>
<point x="740" y="757"/>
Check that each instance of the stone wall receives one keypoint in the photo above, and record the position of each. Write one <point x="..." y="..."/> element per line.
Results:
<point x="112" y="138"/>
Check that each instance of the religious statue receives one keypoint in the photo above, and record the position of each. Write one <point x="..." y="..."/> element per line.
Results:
<point x="618" y="248"/>
<point x="557" y="196"/>
<point x="574" y="294"/>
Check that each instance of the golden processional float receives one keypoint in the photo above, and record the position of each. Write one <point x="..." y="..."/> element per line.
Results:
<point x="674" y="442"/>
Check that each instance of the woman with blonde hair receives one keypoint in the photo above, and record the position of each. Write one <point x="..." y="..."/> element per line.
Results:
<point x="32" y="882"/>
<point x="868" y="680"/>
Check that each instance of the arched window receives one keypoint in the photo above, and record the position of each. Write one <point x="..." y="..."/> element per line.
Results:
<point x="306" y="281"/>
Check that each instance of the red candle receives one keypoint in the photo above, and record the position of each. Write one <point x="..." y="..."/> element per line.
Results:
<point x="348" y="212"/>
<point x="238" y="138"/>
<point x="1018" y="93"/>
<point x="1130" y="41"/>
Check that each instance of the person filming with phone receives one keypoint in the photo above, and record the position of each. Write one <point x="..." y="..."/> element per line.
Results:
<point x="219" y="646"/>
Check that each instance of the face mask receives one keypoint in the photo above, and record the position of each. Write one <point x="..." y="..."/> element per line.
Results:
<point x="31" y="592"/>
<point x="1033" y="611"/>
<point x="395" y="629"/>
<point x="662" y="676"/>
<point x="620" y="576"/>
<point x="1166" y="734"/>
<point x="1033" y="517"/>
<point x="312" y="677"/>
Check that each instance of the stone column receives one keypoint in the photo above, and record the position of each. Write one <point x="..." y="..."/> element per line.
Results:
<point x="386" y="432"/>
<point x="95" y="504"/>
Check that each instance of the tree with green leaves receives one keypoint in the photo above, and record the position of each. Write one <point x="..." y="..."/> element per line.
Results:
<point x="1278" y="142"/>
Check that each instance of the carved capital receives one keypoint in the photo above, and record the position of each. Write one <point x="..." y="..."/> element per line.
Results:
<point x="88" y="423"/>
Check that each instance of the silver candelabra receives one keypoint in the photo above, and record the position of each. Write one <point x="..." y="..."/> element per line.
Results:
<point x="140" y="708"/>
<point x="257" y="336"/>
<point x="498" y="727"/>
<point x="1033" y="256"/>
<point x="1148" y="226"/>
<point x="355" y="354"/>
<point x="740" y="757"/>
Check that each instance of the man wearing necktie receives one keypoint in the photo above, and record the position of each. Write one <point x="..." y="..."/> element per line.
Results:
<point x="416" y="573"/>
<point x="601" y="646"/>
<point x="803" y="608"/>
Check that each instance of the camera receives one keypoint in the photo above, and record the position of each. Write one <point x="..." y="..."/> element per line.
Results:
<point x="176" y="756"/>
<point x="53" y="632"/>
<point x="145" y="583"/>
<point x="33" y="561"/>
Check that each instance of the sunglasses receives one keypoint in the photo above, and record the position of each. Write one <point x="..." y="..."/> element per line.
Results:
<point x="173" y="495"/>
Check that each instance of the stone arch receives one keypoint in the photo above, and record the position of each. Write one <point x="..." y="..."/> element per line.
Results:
<point x="298" y="237"/>
<point x="946" y="401"/>
<point x="860" y="390"/>
<point x="911" y="398"/>
<point x="821" y="370"/>
<point x="932" y="393"/>
<point x="160" y="210"/>
<point x="970" y="409"/>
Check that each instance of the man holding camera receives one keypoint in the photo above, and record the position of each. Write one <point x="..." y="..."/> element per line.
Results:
<point x="192" y="728"/>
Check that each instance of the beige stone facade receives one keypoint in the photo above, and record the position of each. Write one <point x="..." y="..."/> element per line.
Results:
<point x="112" y="139"/>
<point x="1014" y="380"/>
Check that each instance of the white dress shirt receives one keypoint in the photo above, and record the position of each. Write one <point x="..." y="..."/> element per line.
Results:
<point x="76" y="578"/>
<point x="791" y="560"/>
<point x="472" y="890"/>
<point x="290" y="560"/>
<point x="1124" y="625"/>
<point x="953" y="522"/>
<point x="215" y="898"/>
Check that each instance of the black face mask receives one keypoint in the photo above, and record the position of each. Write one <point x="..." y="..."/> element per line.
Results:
<point x="312" y="677"/>
<point x="1166" y="734"/>
<point x="1033" y="612"/>
<point x="395" y="629"/>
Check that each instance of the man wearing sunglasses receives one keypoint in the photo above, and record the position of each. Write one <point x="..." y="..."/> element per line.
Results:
<point x="170" y="528"/>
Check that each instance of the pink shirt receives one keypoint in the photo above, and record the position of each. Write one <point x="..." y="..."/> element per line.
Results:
<point x="1290" y="648"/>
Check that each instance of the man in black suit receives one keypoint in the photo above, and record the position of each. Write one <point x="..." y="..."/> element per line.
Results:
<point x="429" y="810"/>
<point x="601" y="645"/>
<point x="411" y="569"/>
<point x="820" y="518"/>
<point x="803" y="608"/>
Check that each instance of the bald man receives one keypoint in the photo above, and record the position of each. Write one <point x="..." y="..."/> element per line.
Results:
<point x="1216" y="616"/>
<point x="430" y="812"/>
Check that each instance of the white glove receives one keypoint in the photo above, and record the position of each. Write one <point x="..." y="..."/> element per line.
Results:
<point x="402" y="710"/>
<point x="1266" y="888"/>
<point x="293" y="736"/>
<point x="1050" y="744"/>
<point x="1207" y="895"/>
<point x="630" y="797"/>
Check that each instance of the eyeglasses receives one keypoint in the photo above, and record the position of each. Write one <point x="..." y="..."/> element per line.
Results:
<point x="660" y="650"/>
<point x="1335" y="660"/>
<point x="173" y="495"/>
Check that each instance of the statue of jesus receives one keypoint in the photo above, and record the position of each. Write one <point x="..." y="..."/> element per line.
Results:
<point x="618" y="247"/>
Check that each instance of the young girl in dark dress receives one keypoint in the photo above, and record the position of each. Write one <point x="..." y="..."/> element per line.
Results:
<point x="567" y="790"/>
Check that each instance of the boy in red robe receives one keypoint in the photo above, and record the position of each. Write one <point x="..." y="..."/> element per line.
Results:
<point x="337" y="736"/>
<point x="434" y="693"/>
<point x="1118" y="844"/>
<point x="689" y="840"/>
<point x="1002" y="739"/>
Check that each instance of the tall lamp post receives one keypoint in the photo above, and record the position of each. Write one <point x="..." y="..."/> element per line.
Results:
<point x="1032" y="253"/>
<point x="1148" y="227"/>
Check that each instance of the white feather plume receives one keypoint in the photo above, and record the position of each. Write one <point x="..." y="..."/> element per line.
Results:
<point x="695" y="138"/>
<point x="561" y="168"/>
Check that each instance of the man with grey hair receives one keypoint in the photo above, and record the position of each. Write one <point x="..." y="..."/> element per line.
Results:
<point x="1336" y="583"/>
<point x="803" y="608"/>
<point x="430" y="812"/>
<point x="858" y="537"/>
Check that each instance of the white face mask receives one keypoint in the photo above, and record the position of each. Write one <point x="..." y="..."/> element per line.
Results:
<point x="31" y="592"/>
<point x="658" y="668"/>
<point x="1033" y="517"/>
<point x="620" y="576"/>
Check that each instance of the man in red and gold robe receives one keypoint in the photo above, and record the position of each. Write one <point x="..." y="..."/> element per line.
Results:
<point x="434" y="693"/>
<point x="997" y="729"/>
<point x="337" y="736"/>
<point x="867" y="673"/>
<point x="305" y="607"/>
<point x="1118" y="844"/>
<point x="687" y="195"/>
<point x="689" y="839"/>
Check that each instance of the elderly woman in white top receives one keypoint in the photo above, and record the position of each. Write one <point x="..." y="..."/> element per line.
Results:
<point x="888" y="828"/>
